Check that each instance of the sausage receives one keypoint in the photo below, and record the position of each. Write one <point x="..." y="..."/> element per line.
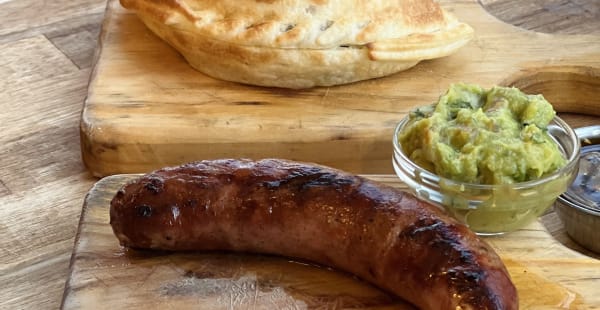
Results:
<point x="382" y="235"/>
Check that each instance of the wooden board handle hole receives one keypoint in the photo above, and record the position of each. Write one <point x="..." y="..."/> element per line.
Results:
<point x="570" y="89"/>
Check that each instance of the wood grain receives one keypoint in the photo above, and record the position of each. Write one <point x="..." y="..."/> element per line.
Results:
<point x="550" y="16"/>
<point x="46" y="52"/>
<point x="42" y="179"/>
<point x="103" y="273"/>
<point x="26" y="16"/>
<point x="148" y="108"/>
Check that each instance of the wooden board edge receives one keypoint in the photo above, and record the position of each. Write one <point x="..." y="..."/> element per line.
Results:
<point x="91" y="194"/>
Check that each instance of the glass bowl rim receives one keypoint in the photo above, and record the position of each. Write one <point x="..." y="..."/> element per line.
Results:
<point x="572" y="160"/>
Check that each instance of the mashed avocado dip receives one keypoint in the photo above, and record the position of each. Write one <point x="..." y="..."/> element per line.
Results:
<point x="474" y="135"/>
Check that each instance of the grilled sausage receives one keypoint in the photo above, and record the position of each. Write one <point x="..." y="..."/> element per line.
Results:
<point x="385" y="236"/>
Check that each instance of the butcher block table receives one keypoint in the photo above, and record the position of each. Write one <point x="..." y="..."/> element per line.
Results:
<point x="46" y="58"/>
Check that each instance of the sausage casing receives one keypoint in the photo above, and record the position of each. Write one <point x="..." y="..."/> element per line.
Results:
<point x="383" y="235"/>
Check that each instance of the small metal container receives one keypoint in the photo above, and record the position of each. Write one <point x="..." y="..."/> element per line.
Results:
<point x="579" y="207"/>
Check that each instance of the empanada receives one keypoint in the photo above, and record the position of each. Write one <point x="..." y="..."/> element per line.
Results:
<point x="303" y="43"/>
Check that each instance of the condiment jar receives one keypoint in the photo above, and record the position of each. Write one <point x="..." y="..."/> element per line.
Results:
<point x="579" y="207"/>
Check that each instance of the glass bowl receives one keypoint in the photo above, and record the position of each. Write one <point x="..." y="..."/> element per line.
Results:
<point x="492" y="209"/>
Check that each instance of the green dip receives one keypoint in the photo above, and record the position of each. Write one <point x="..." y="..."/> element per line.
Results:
<point x="474" y="135"/>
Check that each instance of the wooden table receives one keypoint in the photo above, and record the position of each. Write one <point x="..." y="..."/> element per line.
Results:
<point x="46" y="52"/>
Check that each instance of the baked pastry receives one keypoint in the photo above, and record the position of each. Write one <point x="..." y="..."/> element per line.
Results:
<point x="303" y="43"/>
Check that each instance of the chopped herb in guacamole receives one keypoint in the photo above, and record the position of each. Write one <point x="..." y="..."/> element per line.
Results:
<point x="474" y="135"/>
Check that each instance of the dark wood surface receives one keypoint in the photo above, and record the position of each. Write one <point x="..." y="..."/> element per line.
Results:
<point x="46" y="52"/>
<point x="548" y="16"/>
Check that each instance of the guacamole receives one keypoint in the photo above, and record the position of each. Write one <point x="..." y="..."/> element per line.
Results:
<point x="474" y="135"/>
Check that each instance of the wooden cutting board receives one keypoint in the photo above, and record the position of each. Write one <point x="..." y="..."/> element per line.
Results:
<point x="106" y="276"/>
<point x="146" y="108"/>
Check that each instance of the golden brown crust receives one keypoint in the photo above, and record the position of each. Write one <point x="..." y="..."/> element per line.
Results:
<point x="278" y="42"/>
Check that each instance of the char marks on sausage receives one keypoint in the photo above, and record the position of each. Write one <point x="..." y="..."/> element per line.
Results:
<point x="383" y="235"/>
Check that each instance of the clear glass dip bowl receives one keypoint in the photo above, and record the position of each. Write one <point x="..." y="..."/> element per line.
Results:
<point x="492" y="209"/>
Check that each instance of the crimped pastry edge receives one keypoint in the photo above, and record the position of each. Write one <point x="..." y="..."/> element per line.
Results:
<point x="299" y="68"/>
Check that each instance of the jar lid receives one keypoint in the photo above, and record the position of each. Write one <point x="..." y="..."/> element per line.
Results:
<point x="584" y="192"/>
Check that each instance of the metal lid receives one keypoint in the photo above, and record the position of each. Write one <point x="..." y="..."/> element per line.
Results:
<point x="584" y="192"/>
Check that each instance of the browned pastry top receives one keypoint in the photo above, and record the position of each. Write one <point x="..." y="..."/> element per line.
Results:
<point x="280" y="42"/>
